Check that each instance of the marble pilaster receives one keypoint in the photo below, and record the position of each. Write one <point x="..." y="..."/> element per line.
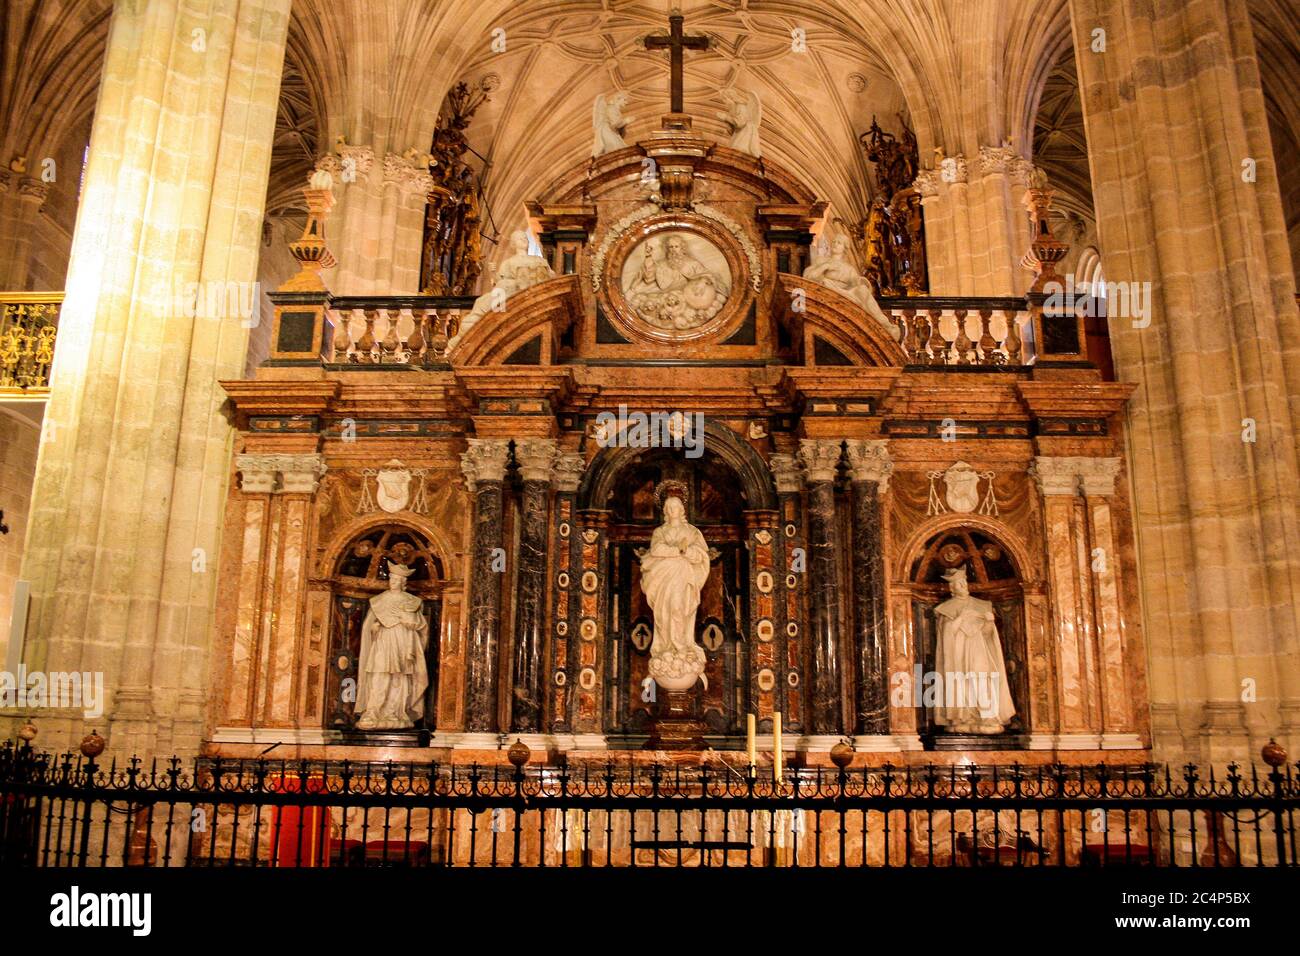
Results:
<point x="820" y="459"/>
<point x="1097" y="482"/>
<point x="870" y="467"/>
<point x="484" y="465"/>
<point x="565" y="590"/>
<point x="792" y="578"/>
<point x="535" y="457"/>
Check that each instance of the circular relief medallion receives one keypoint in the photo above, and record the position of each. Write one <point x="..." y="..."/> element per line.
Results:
<point x="587" y="629"/>
<point x="562" y="628"/>
<point x="343" y="662"/>
<point x="792" y="679"/>
<point x="561" y="678"/>
<point x="766" y="679"/>
<point x="766" y="630"/>
<point x="675" y="280"/>
<point x="792" y="629"/>
<point x="587" y="678"/>
<point x="791" y="581"/>
<point x="564" y="529"/>
<point x="589" y="581"/>
<point x="563" y="579"/>
<point x="763" y="580"/>
<point x="790" y="531"/>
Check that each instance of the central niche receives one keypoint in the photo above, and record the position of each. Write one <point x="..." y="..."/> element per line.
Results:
<point x="676" y="281"/>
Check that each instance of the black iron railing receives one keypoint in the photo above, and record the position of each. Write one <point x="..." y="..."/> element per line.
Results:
<point x="72" y="811"/>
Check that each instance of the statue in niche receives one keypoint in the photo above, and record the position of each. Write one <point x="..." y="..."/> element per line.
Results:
<point x="673" y="570"/>
<point x="976" y="693"/>
<point x="519" y="272"/>
<point x="680" y="290"/>
<point x="743" y="113"/>
<point x="837" y="271"/>
<point x="391" y="674"/>
<point x="608" y="123"/>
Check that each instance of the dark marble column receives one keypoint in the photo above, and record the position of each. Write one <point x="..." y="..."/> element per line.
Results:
<point x="534" y="457"/>
<point x="484" y="465"/>
<point x="565" y="590"/>
<point x="871" y="467"/>
<point x="820" y="458"/>
<point x="792" y="578"/>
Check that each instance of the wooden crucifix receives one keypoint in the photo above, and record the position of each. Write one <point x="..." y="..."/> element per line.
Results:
<point x="675" y="43"/>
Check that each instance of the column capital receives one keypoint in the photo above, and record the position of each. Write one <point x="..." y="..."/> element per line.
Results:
<point x="820" y="458"/>
<point x="485" y="460"/>
<point x="567" y="473"/>
<point x="1055" y="476"/>
<point x="297" y="474"/>
<point x="869" y="460"/>
<point x="1097" y="476"/>
<point x="786" y="471"/>
<point x="536" y="457"/>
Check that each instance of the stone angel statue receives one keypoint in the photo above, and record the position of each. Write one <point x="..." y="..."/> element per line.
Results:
<point x="743" y="114"/>
<point x="837" y="271"/>
<point x="608" y="123"/>
<point x="519" y="272"/>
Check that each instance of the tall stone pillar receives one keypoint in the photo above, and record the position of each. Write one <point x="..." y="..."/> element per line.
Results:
<point x="1118" y="721"/>
<point x="871" y="467"/>
<point x="820" y="457"/>
<point x="1071" y="602"/>
<point x="131" y="479"/>
<point x="565" y="591"/>
<point x="1193" y="220"/>
<point x="535" y="457"/>
<point x="21" y="198"/>
<point x="484" y="465"/>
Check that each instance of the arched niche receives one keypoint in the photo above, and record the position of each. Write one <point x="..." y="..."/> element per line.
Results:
<point x="717" y="502"/>
<point x="358" y="571"/>
<point x="994" y="574"/>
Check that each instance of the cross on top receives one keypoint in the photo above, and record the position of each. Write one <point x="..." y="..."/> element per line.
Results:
<point x="675" y="43"/>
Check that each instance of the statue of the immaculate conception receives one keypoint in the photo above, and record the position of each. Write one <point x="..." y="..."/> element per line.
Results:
<point x="672" y="572"/>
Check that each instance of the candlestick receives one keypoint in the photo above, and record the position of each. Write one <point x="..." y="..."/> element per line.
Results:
<point x="751" y="747"/>
<point x="778" y="762"/>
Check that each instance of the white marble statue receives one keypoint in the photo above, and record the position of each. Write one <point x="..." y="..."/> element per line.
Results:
<point x="678" y="290"/>
<point x="743" y="113"/>
<point x="391" y="674"/>
<point x="837" y="271"/>
<point x="608" y="123"/>
<point x="976" y="696"/>
<point x="517" y="273"/>
<point x="673" y="570"/>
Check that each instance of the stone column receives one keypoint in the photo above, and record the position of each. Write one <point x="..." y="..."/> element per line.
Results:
<point x="871" y="467"/>
<point x="767" y="665"/>
<point x="484" y="465"/>
<point x="792" y="577"/>
<point x="587" y="652"/>
<point x="21" y="198"/>
<point x="1071" y="597"/>
<point x="820" y="457"/>
<point x="131" y="480"/>
<point x="564" y="611"/>
<point x="1097" y="481"/>
<point x="535" y="457"/>
<point x="1216" y="473"/>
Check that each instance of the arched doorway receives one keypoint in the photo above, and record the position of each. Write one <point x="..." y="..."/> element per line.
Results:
<point x="360" y="572"/>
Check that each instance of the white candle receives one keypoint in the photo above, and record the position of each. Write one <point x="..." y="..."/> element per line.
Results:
<point x="751" y="747"/>
<point x="778" y="762"/>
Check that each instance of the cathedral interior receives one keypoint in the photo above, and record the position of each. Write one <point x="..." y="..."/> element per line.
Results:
<point x="411" y="379"/>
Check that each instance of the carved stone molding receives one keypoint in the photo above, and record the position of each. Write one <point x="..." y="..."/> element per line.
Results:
<point x="536" y="457"/>
<point x="485" y="460"/>
<point x="411" y="177"/>
<point x="33" y="189"/>
<point x="927" y="183"/>
<point x="296" y="474"/>
<point x="820" y="458"/>
<point x="870" y="461"/>
<point x="785" y="469"/>
<point x="567" y="473"/>
<point x="363" y="158"/>
<point x="1094" y="477"/>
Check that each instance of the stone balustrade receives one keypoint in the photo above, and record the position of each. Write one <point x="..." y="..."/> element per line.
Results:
<point x="962" y="331"/>
<point x="398" y="330"/>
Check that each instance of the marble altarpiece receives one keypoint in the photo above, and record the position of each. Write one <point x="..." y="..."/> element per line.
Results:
<point x="838" y="480"/>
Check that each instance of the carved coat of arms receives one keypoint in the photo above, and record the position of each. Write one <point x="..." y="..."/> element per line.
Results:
<point x="393" y="487"/>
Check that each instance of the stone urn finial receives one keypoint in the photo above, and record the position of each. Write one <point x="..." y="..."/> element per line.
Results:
<point x="27" y="732"/>
<point x="842" y="754"/>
